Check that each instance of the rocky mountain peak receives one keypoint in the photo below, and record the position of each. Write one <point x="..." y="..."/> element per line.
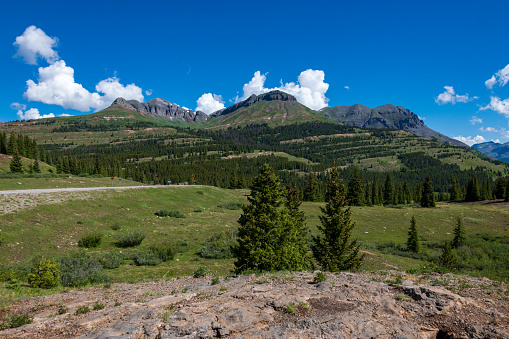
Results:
<point x="253" y="99"/>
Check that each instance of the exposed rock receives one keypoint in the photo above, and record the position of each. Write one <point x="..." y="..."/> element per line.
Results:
<point x="160" y="107"/>
<point x="345" y="306"/>
<point x="385" y="116"/>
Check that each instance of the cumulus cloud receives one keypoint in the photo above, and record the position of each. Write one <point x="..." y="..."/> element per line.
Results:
<point x="148" y="92"/>
<point x="34" y="43"/>
<point x="33" y="113"/>
<point x="475" y="120"/>
<point x="347" y="87"/>
<point x="471" y="140"/>
<point x="56" y="86"/>
<point x="449" y="96"/>
<point x="309" y="90"/>
<point x="488" y="129"/>
<point x="209" y="103"/>
<point x="18" y="106"/>
<point x="498" y="105"/>
<point x="501" y="77"/>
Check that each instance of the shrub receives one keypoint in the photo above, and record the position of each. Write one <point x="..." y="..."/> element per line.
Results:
<point x="46" y="274"/>
<point x="162" y="213"/>
<point x="91" y="239"/>
<point x="130" y="238"/>
<point x="164" y="251"/>
<point x="14" y="320"/>
<point x="219" y="246"/>
<point x="166" y="213"/>
<point x="147" y="258"/>
<point x="83" y="310"/>
<point x="111" y="260"/>
<point x="231" y="206"/>
<point x="215" y="281"/>
<point x="98" y="306"/>
<point x="62" y="309"/>
<point x="290" y="308"/>
<point x="79" y="269"/>
<point x="320" y="277"/>
<point x="200" y="272"/>
<point x="116" y="226"/>
<point x="2" y="239"/>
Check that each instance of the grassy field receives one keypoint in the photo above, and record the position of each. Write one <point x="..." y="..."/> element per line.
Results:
<point x="55" y="229"/>
<point x="24" y="183"/>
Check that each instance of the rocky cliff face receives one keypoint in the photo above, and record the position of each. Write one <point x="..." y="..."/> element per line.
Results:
<point x="385" y="116"/>
<point x="162" y="108"/>
<point x="361" y="305"/>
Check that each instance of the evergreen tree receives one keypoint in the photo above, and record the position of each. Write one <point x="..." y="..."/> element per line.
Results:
<point x="271" y="235"/>
<point x="367" y="194"/>
<point x="459" y="234"/>
<point x="334" y="251"/>
<point x="388" y="190"/>
<point x="374" y="193"/>
<point x="500" y="189"/>
<point x="413" y="243"/>
<point x="448" y="259"/>
<point x="241" y="183"/>
<point x="455" y="191"/>
<point x="428" y="195"/>
<point x="407" y="195"/>
<point x="507" y="191"/>
<point x="311" y="191"/>
<point x="36" y="166"/>
<point x="355" y="195"/>
<point x="473" y="193"/>
<point x="16" y="166"/>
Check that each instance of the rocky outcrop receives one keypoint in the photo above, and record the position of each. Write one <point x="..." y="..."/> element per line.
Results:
<point x="385" y="116"/>
<point x="346" y="305"/>
<point x="161" y="108"/>
<point x="253" y="99"/>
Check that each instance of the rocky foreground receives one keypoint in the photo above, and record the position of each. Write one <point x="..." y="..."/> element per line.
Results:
<point x="346" y="305"/>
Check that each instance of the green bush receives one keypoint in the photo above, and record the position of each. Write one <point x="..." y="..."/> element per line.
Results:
<point x="165" y="251"/>
<point x="166" y="213"/>
<point x="91" y="239"/>
<point x="147" y="258"/>
<point x="162" y="213"/>
<point x="130" y="238"/>
<point x="116" y="226"/>
<point x="98" y="306"/>
<point x="79" y="269"/>
<point x="111" y="260"/>
<point x="14" y="320"/>
<point x="2" y="239"/>
<point x="320" y="277"/>
<point x="215" y="281"/>
<point x="83" y="310"/>
<point x="231" y="205"/>
<point x="46" y="274"/>
<point x="200" y="272"/>
<point x="219" y="246"/>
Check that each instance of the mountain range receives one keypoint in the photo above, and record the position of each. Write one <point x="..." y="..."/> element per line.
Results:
<point x="494" y="150"/>
<point x="280" y="108"/>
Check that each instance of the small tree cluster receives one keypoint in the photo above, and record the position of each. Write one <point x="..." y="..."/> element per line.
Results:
<point x="46" y="274"/>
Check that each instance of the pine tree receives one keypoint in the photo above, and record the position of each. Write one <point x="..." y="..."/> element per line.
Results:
<point x="367" y="194"/>
<point x="473" y="193"/>
<point x="271" y="235"/>
<point x="16" y="166"/>
<point x="374" y="193"/>
<point x="334" y="251"/>
<point x="455" y="190"/>
<point x="355" y="195"/>
<point x="507" y="191"/>
<point x="388" y="190"/>
<point x="459" y="234"/>
<point x="448" y="259"/>
<point x="413" y="243"/>
<point x="428" y="194"/>
<point x="311" y="191"/>
<point x="500" y="189"/>
<point x="406" y="193"/>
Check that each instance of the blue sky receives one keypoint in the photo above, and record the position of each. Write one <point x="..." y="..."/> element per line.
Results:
<point x="63" y="57"/>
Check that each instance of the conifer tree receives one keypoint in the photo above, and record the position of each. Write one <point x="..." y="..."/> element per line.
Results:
<point x="413" y="243"/>
<point x="311" y="191"/>
<point x="428" y="194"/>
<point x="473" y="193"/>
<point x="388" y="190"/>
<point x="407" y="195"/>
<point x="500" y="189"/>
<point x="241" y="183"/>
<point x="374" y="193"/>
<point x="36" y="167"/>
<point x="507" y="191"/>
<point x="271" y="235"/>
<point x="367" y="194"/>
<point x="459" y="234"/>
<point x="448" y="259"/>
<point x="355" y="195"/>
<point x="333" y="249"/>
<point x="455" y="191"/>
<point x="16" y="166"/>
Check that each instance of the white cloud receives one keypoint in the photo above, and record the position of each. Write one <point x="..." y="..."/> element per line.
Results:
<point x="449" y="96"/>
<point x="421" y="118"/>
<point x="56" y="86"/>
<point x="471" y="140"/>
<point x="475" y="120"/>
<point x="309" y="90"/>
<point x="502" y="77"/>
<point x="209" y="103"/>
<point x="498" y="105"/>
<point x="488" y="129"/>
<point x="65" y="115"/>
<point x="347" y="87"/>
<point x="496" y="141"/>
<point x="33" y="113"/>
<point x="34" y="43"/>
<point x="148" y="92"/>
<point x="18" y="106"/>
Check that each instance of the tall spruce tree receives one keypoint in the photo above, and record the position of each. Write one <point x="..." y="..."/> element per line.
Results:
<point x="16" y="166"/>
<point x="355" y="195"/>
<point x="311" y="191"/>
<point x="271" y="234"/>
<point x="473" y="193"/>
<point x="333" y="249"/>
<point x="459" y="234"/>
<point x="428" y="194"/>
<point x="388" y="190"/>
<point x="413" y="243"/>
<point x="507" y="191"/>
<point x="448" y="259"/>
<point x="455" y="191"/>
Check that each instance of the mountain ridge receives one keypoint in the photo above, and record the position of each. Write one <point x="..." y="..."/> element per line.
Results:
<point x="494" y="150"/>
